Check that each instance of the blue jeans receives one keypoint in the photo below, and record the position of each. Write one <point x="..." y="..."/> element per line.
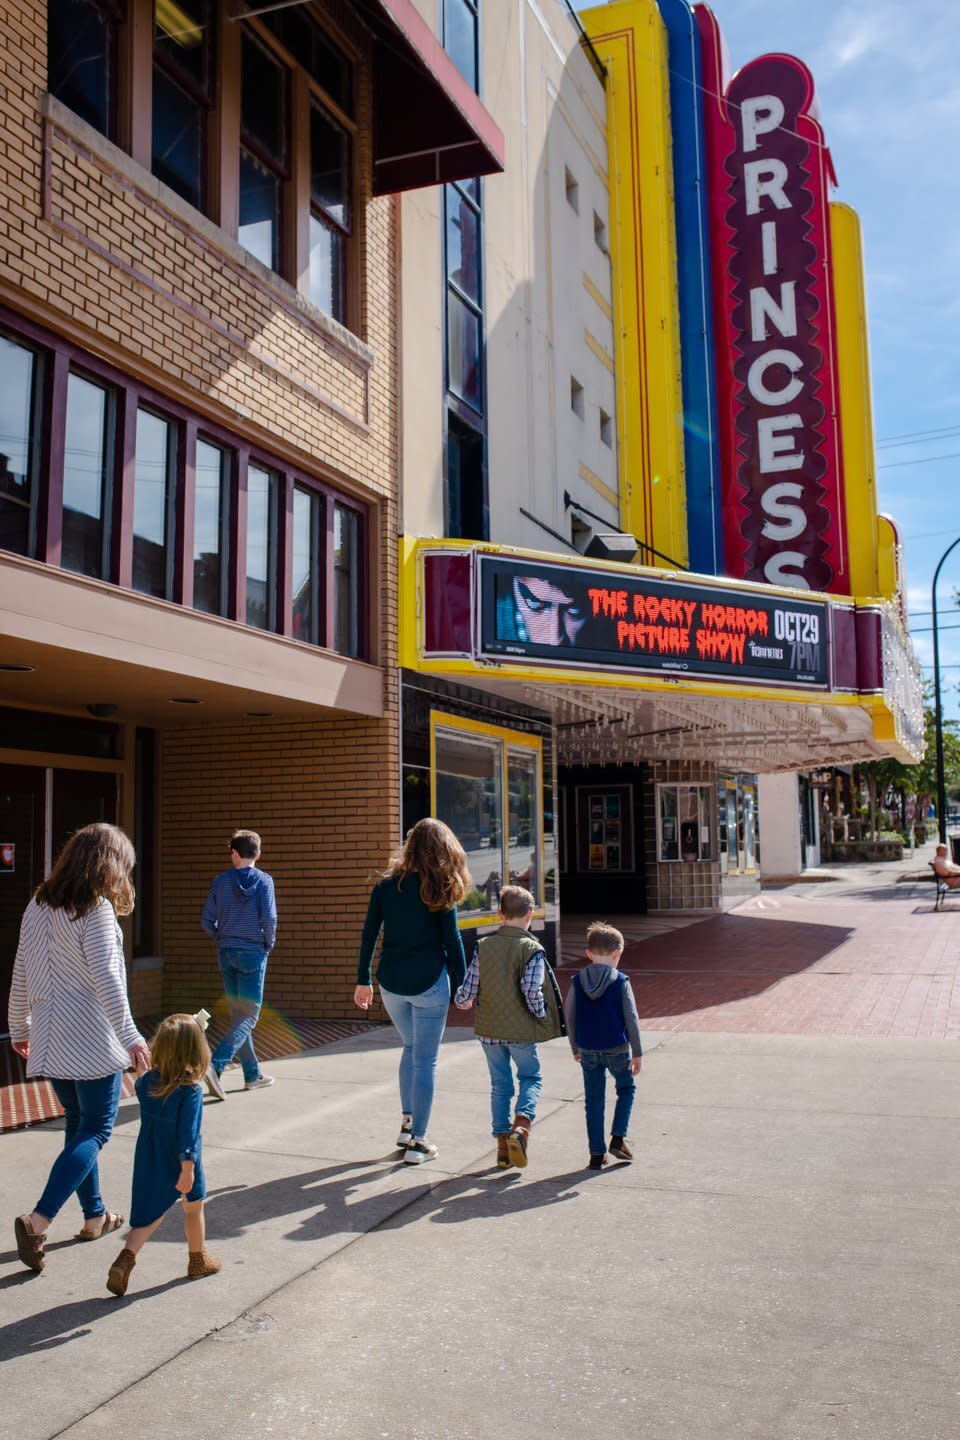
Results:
<point x="530" y="1082"/>
<point x="243" y="972"/>
<point x="595" y="1065"/>
<point x="89" y="1108"/>
<point x="420" y="1020"/>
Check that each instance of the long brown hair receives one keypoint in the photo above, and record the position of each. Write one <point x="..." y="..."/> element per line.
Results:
<point x="433" y="853"/>
<point x="179" y="1053"/>
<point x="96" y="863"/>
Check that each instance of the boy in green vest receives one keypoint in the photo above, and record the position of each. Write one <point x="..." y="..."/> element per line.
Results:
<point x="506" y="978"/>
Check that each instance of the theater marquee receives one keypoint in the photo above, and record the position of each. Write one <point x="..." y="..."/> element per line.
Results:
<point x="563" y="614"/>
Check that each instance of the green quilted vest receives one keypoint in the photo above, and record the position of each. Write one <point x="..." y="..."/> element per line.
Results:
<point x="502" y="1012"/>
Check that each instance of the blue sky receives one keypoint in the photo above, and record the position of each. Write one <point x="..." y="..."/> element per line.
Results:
<point x="889" y="94"/>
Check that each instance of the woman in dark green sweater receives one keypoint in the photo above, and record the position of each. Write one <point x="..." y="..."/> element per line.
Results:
<point x="421" y="961"/>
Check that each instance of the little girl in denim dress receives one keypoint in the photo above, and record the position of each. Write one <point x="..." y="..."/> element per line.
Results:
<point x="168" y="1163"/>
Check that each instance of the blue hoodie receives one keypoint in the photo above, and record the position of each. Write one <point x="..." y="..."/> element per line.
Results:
<point x="241" y="909"/>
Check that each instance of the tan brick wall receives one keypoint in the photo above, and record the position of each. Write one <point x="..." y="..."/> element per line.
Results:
<point x="92" y="248"/>
<point x="325" y="799"/>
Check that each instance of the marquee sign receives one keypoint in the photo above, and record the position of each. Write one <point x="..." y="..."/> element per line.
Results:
<point x="567" y="615"/>
<point x="768" y="166"/>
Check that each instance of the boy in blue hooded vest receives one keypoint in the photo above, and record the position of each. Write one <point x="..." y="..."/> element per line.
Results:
<point x="604" y="1031"/>
<point x="241" y="916"/>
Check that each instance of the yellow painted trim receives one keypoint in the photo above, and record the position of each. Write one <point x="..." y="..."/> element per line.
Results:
<point x="598" y="350"/>
<point x="509" y="739"/>
<point x="889" y="578"/>
<point x="601" y="486"/>
<point x="631" y="40"/>
<point x="597" y="298"/>
<point x="856" y="418"/>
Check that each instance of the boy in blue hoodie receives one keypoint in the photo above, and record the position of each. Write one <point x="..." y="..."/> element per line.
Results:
<point x="604" y="1031"/>
<point x="241" y="915"/>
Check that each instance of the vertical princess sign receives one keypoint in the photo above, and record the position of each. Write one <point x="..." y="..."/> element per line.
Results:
<point x="769" y="169"/>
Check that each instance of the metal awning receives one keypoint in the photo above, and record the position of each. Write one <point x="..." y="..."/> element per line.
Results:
<point x="429" y="125"/>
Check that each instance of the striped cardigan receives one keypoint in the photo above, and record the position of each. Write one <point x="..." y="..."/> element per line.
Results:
<point x="68" y="995"/>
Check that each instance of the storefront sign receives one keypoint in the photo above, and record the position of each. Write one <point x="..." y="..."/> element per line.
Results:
<point x="783" y="507"/>
<point x="568" y="615"/>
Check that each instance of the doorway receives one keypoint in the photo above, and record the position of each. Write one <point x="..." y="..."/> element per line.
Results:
<point x="40" y="808"/>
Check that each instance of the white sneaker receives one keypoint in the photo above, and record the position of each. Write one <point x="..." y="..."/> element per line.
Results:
<point x="418" y="1151"/>
<point x="261" y="1083"/>
<point x="405" y="1138"/>
<point x="213" y="1084"/>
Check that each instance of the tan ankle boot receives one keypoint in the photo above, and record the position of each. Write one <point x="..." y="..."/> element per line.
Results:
<point x="202" y="1263"/>
<point x="503" y="1154"/>
<point x="518" y="1140"/>
<point x="119" y="1276"/>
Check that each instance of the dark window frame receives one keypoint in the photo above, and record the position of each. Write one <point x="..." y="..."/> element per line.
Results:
<point x="134" y="55"/>
<point x="59" y="358"/>
<point x="200" y="95"/>
<point x="38" y="388"/>
<point x="86" y="369"/>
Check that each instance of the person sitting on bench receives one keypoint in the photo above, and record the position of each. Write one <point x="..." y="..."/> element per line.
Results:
<point x="945" y="869"/>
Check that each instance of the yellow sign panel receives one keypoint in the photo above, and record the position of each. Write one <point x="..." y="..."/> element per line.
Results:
<point x="631" y="40"/>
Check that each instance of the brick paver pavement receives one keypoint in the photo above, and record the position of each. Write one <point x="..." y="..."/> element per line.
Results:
<point x="831" y="959"/>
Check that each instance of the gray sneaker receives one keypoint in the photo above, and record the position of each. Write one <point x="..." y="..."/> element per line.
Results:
<point x="213" y="1084"/>
<point x="262" y="1082"/>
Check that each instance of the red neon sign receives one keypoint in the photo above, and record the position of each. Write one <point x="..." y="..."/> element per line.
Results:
<point x="769" y="172"/>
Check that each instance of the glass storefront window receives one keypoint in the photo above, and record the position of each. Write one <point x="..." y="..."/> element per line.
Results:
<point x="211" y="517"/>
<point x="153" y="501"/>
<point x="346" y="581"/>
<point x="86" y="477"/>
<point x="749" y="828"/>
<point x="469" y="782"/>
<point x="488" y="790"/>
<point x="685" y="822"/>
<point x="523" y="810"/>
<point x="306" y="568"/>
<point x="19" y="368"/>
<point x="262" y="491"/>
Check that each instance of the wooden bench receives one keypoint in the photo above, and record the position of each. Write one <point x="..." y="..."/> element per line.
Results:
<point x="944" y="891"/>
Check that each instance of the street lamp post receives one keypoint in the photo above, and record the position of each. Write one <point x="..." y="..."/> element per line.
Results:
<point x="937" y="710"/>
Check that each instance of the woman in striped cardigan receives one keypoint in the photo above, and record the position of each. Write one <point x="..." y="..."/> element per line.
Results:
<point x="70" y="1019"/>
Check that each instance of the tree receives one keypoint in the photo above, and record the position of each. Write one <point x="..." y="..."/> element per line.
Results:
<point x="886" y="779"/>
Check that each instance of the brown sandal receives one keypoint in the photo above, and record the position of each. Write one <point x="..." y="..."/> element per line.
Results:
<point x="110" y="1222"/>
<point x="29" y="1244"/>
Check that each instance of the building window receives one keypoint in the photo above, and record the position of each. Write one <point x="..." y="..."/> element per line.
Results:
<point x="572" y="190"/>
<point x="19" y="394"/>
<point x="307" y="519"/>
<point x="346" y="581"/>
<point x="82" y="59"/>
<point x="154" y="495"/>
<point x="179" y="519"/>
<point x="486" y="784"/>
<point x="685" y="822"/>
<point x="606" y="429"/>
<point x="330" y="220"/>
<point x="576" y="398"/>
<point x="460" y="37"/>
<point x="182" y="95"/>
<point x="211" y="527"/>
<point x="87" y="477"/>
<point x="599" y="233"/>
<point x="467" y="517"/>
<point x="262" y="498"/>
<point x="263" y="153"/>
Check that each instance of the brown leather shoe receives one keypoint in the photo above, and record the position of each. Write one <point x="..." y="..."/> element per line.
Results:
<point x="119" y="1275"/>
<point x="503" y="1153"/>
<point x="29" y="1244"/>
<point x="202" y="1263"/>
<point x="517" y="1141"/>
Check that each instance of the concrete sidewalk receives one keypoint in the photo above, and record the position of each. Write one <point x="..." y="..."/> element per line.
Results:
<point x="780" y="1263"/>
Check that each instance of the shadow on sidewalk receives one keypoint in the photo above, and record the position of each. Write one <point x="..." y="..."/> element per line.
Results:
<point x="722" y="960"/>
<point x="49" y="1329"/>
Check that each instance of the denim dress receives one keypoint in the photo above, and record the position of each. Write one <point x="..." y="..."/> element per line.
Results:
<point x="169" y="1133"/>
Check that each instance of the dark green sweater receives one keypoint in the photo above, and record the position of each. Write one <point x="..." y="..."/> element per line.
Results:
<point x="416" y="941"/>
